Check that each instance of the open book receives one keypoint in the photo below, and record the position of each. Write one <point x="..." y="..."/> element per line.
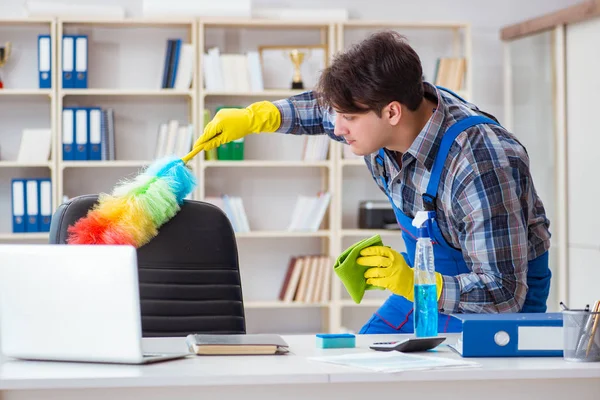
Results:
<point x="252" y="344"/>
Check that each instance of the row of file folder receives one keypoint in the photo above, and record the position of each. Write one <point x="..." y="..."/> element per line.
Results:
<point x="31" y="205"/>
<point x="87" y="134"/>
<point x="75" y="62"/>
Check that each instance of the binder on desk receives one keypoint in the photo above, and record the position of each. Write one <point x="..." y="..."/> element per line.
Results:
<point x="510" y="335"/>
<point x="44" y="61"/>
<point x="81" y="134"/>
<point x="95" y="134"/>
<point x="32" y="202"/>
<point x="81" y="62"/>
<point x="45" y="190"/>
<point x="68" y="134"/>
<point x="68" y="62"/>
<point x="18" y="205"/>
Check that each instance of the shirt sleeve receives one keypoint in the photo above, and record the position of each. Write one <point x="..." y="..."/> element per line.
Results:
<point x="302" y="115"/>
<point x="493" y="237"/>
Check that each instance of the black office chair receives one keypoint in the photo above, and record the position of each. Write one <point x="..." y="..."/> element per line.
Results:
<point x="189" y="274"/>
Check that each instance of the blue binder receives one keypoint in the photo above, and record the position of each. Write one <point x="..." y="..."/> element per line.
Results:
<point x="510" y="335"/>
<point x="45" y="61"/>
<point x="68" y="134"/>
<point x="19" y="205"/>
<point x="81" y="133"/>
<point x="33" y="210"/>
<point x="45" y="206"/>
<point x="81" y="62"/>
<point x="95" y="134"/>
<point x="68" y="62"/>
<point x="174" y="63"/>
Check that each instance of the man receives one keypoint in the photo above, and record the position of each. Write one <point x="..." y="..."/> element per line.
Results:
<point x="427" y="149"/>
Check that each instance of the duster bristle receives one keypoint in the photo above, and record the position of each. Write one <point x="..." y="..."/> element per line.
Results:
<point x="136" y="209"/>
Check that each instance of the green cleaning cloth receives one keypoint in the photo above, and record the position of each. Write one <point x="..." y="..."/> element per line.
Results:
<point x="351" y="273"/>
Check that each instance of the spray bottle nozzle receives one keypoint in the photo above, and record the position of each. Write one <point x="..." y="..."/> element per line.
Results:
<point x="421" y="222"/>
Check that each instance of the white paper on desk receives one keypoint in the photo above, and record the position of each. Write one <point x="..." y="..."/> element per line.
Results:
<point x="394" y="361"/>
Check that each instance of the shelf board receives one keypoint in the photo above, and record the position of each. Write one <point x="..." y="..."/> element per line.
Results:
<point x="266" y="163"/>
<point x="128" y="22"/>
<point x="281" y="304"/>
<point x="125" y="92"/>
<point x="26" y="92"/>
<point x="364" y="303"/>
<point x="26" y="21"/>
<point x="242" y="22"/>
<point x="22" y="236"/>
<point x="370" y="232"/>
<point x="104" y="164"/>
<point x="281" y="234"/>
<point x="405" y="24"/>
<point x="353" y="162"/>
<point x="16" y="164"/>
<point x="265" y="93"/>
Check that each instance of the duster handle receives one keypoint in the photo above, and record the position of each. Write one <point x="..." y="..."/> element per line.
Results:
<point x="191" y="154"/>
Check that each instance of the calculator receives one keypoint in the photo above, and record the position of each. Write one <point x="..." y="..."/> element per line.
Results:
<point x="409" y="345"/>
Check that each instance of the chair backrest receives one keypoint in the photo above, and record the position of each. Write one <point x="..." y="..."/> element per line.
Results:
<point x="189" y="274"/>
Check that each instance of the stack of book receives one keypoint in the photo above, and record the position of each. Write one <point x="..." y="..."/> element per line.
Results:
<point x="308" y="212"/>
<point x="234" y="208"/>
<point x="174" y="139"/>
<point x="232" y="72"/>
<point x="179" y="65"/>
<point x="316" y="147"/>
<point x="307" y="280"/>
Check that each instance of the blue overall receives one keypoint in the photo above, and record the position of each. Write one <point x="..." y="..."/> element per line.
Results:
<point x="395" y="315"/>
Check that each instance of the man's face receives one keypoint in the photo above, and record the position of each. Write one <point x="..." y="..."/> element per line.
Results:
<point x="365" y="132"/>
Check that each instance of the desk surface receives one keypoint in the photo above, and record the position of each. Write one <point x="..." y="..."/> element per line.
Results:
<point x="294" y="368"/>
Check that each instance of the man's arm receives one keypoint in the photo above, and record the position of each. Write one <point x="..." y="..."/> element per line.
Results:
<point x="302" y="115"/>
<point x="493" y="237"/>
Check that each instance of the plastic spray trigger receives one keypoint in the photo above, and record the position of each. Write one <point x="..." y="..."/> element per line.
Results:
<point x="421" y="223"/>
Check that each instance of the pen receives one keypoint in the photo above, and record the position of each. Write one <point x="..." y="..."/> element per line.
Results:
<point x="593" y="333"/>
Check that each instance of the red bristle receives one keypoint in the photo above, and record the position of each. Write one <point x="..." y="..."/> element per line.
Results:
<point x="95" y="229"/>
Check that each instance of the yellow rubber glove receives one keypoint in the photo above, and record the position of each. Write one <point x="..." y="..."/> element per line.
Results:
<point x="230" y="124"/>
<point x="391" y="271"/>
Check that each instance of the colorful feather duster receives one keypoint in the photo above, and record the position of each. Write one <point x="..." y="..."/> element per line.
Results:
<point x="137" y="208"/>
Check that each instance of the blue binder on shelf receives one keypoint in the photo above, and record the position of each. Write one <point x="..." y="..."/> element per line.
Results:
<point x="68" y="62"/>
<point x="174" y="63"/>
<point x="81" y="62"/>
<point x="95" y="134"/>
<point x="18" y="205"/>
<point x="81" y="134"/>
<point x="32" y="201"/>
<point x="510" y="335"/>
<point x="45" y="206"/>
<point x="45" y="61"/>
<point x="68" y="134"/>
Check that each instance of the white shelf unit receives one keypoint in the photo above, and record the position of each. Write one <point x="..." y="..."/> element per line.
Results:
<point x="23" y="105"/>
<point x="135" y="97"/>
<point x="271" y="176"/>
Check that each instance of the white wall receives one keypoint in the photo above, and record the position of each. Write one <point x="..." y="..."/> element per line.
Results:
<point x="487" y="17"/>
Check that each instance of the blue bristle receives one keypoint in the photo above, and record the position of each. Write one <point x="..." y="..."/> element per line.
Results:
<point x="180" y="178"/>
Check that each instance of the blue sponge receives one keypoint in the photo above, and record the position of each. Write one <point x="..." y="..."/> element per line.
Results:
<point x="336" y="340"/>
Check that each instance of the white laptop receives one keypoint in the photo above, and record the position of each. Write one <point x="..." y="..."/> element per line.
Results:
<point x="72" y="303"/>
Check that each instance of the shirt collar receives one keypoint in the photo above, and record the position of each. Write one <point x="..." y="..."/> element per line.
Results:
<point x="425" y="146"/>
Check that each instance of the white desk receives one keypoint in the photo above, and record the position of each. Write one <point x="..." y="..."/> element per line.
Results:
<point x="293" y="376"/>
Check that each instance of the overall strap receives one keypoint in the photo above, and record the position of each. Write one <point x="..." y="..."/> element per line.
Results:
<point x="430" y="196"/>
<point x="379" y="158"/>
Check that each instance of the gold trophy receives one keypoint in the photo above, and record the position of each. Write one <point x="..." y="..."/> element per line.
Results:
<point x="297" y="57"/>
<point x="4" y="54"/>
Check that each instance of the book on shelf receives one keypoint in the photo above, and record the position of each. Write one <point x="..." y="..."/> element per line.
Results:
<point x="174" y="139"/>
<point x="88" y="134"/>
<point x="227" y="72"/>
<point x="307" y="280"/>
<point x="316" y="147"/>
<point x="178" y="68"/>
<point x="233" y="207"/>
<point x="31" y="200"/>
<point x="308" y="212"/>
<point x="35" y="146"/>
<point x="450" y="72"/>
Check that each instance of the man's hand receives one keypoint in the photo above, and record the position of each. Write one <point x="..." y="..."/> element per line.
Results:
<point x="391" y="271"/>
<point x="230" y="124"/>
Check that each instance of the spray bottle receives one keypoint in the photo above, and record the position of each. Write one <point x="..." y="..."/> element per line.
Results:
<point x="425" y="291"/>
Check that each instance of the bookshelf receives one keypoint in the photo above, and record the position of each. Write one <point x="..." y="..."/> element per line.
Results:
<point x="126" y="59"/>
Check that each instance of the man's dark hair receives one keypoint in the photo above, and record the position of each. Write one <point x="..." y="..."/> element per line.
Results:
<point x="371" y="74"/>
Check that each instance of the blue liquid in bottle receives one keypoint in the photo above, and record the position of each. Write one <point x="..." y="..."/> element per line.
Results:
<point x="425" y="311"/>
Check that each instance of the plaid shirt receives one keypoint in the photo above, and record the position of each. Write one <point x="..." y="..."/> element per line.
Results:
<point x="487" y="205"/>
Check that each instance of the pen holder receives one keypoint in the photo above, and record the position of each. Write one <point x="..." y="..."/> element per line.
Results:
<point x="581" y="330"/>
